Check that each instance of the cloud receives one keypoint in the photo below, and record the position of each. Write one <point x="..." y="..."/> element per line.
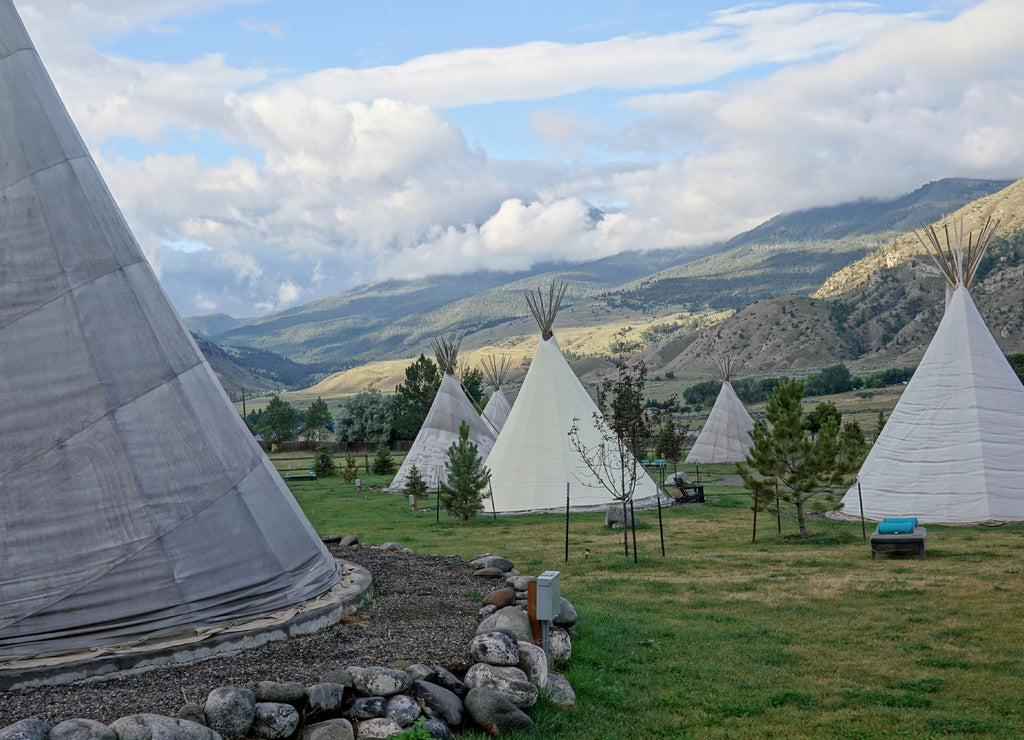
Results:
<point x="271" y="29"/>
<point x="344" y="174"/>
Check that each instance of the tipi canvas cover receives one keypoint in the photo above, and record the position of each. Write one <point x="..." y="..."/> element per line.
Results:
<point x="133" y="500"/>
<point x="451" y="407"/>
<point x="533" y="460"/>
<point x="950" y="453"/>
<point x="726" y="434"/>
<point x="498" y="408"/>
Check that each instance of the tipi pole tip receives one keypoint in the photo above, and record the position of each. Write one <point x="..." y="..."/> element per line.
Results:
<point x="545" y="314"/>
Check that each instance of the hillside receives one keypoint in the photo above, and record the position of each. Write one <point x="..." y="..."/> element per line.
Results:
<point x="884" y="316"/>
<point x="254" y="371"/>
<point x="749" y="297"/>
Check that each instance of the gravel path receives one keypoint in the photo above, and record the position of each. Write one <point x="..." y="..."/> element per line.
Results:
<point x="423" y="612"/>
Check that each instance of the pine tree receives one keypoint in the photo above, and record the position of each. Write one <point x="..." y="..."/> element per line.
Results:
<point x="324" y="466"/>
<point x="462" y="494"/>
<point x="414" y="483"/>
<point x="788" y="463"/>
<point x="351" y="469"/>
<point x="669" y="446"/>
<point x="383" y="463"/>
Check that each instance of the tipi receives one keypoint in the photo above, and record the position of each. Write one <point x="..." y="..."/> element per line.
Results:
<point x="497" y="409"/>
<point x="726" y="434"/>
<point x="451" y="407"/>
<point x="950" y="452"/>
<point x="532" y="461"/>
<point x="133" y="500"/>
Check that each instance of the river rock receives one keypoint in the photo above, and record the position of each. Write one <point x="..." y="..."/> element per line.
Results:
<point x="420" y="672"/>
<point x="379" y="681"/>
<point x="438" y="730"/>
<point x="500" y="597"/>
<point x="534" y="663"/>
<point x="566" y="616"/>
<point x="367" y="707"/>
<point x="156" y="727"/>
<point x="492" y="561"/>
<point x="438" y="702"/>
<point x="275" y="720"/>
<point x="511" y="621"/>
<point x="559" y="691"/>
<point x="495" y="713"/>
<point x="614" y="517"/>
<point x="403" y="710"/>
<point x="510" y="682"/>
<point x="489" y="572"/>
<point x="82" y="729"/>
<point x="559" y="645"/>
<point x="230" y="710"/>
<point x="377" y="728"/>
<point x="192" y="712"/>
<point x="391" y="547"/>
<point x="26" y="729"/>
<point x="331" y="729"/>
<point x="349" y="540"/>
<point x="494" y="648"/>
<point x="520" y="583"/>
<point x="444" y="677"/>
<point x="288" y="692"/>
<point x="325" y="698"/>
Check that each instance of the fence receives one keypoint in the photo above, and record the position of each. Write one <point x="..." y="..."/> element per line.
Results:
<point x="400" y="446"/>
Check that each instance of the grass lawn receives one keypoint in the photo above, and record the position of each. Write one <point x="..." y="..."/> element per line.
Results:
<point x="727" y="638"/>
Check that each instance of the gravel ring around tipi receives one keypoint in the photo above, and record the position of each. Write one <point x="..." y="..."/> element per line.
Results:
<point x="423" y="611"/>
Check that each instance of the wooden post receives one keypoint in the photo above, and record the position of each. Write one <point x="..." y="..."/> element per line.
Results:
<point x="531" y="611"/>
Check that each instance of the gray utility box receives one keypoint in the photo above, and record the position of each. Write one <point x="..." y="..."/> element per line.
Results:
<point x="549" y="595"/>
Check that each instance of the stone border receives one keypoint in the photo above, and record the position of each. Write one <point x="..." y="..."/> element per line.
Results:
<point x="345" y="598"/>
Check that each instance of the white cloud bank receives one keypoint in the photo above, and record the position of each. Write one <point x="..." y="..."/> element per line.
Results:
<point x="344" y="175"/>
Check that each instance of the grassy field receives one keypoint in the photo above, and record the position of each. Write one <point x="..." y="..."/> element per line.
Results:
<point x="726" y="638"/>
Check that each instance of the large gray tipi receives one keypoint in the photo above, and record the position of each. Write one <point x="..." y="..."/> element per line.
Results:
<point x="133" y="501"/>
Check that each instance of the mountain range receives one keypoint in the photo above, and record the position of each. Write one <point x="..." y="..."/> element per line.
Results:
<point x="803" y="290"/>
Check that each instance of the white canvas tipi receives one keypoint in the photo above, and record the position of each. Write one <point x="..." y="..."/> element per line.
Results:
<point x="498" y="408"/>
<point x="532" y="461"/>
<point x="726" y="434"/>
<point x="133" y="500"/>
<point x="950" y="453"/>
<point x="451" y="407"/>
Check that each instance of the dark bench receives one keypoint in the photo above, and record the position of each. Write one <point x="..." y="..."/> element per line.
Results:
<point x="300" y="476"/>
<point x="687" y="494"/>
<point x="903" y="542"/>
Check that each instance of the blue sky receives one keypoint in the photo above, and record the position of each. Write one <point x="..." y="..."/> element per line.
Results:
<point x="267" y="153"/>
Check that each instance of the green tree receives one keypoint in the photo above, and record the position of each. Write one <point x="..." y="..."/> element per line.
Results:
<point x="365" y="417"/>
<point x="351" y="469"/>
<point x="789" y="465"/>
<point x="323" y="465"/>
<point x="1017" y="363"/>
<point x="414" y="483"/>
<point x="414" y="397"/>
<point x="823" y="413"/>
<point x="879" y="424"/>
<point x="383" y="463"/>
<point x="318" y="421"/>
<point x="462" y="493"/>
<point x="472" y="381"/>
<point x="278" y="421"/>
<point x="669" y="446"/>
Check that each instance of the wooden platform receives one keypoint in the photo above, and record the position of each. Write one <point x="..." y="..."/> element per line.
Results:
<point x="908" y="542"/>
